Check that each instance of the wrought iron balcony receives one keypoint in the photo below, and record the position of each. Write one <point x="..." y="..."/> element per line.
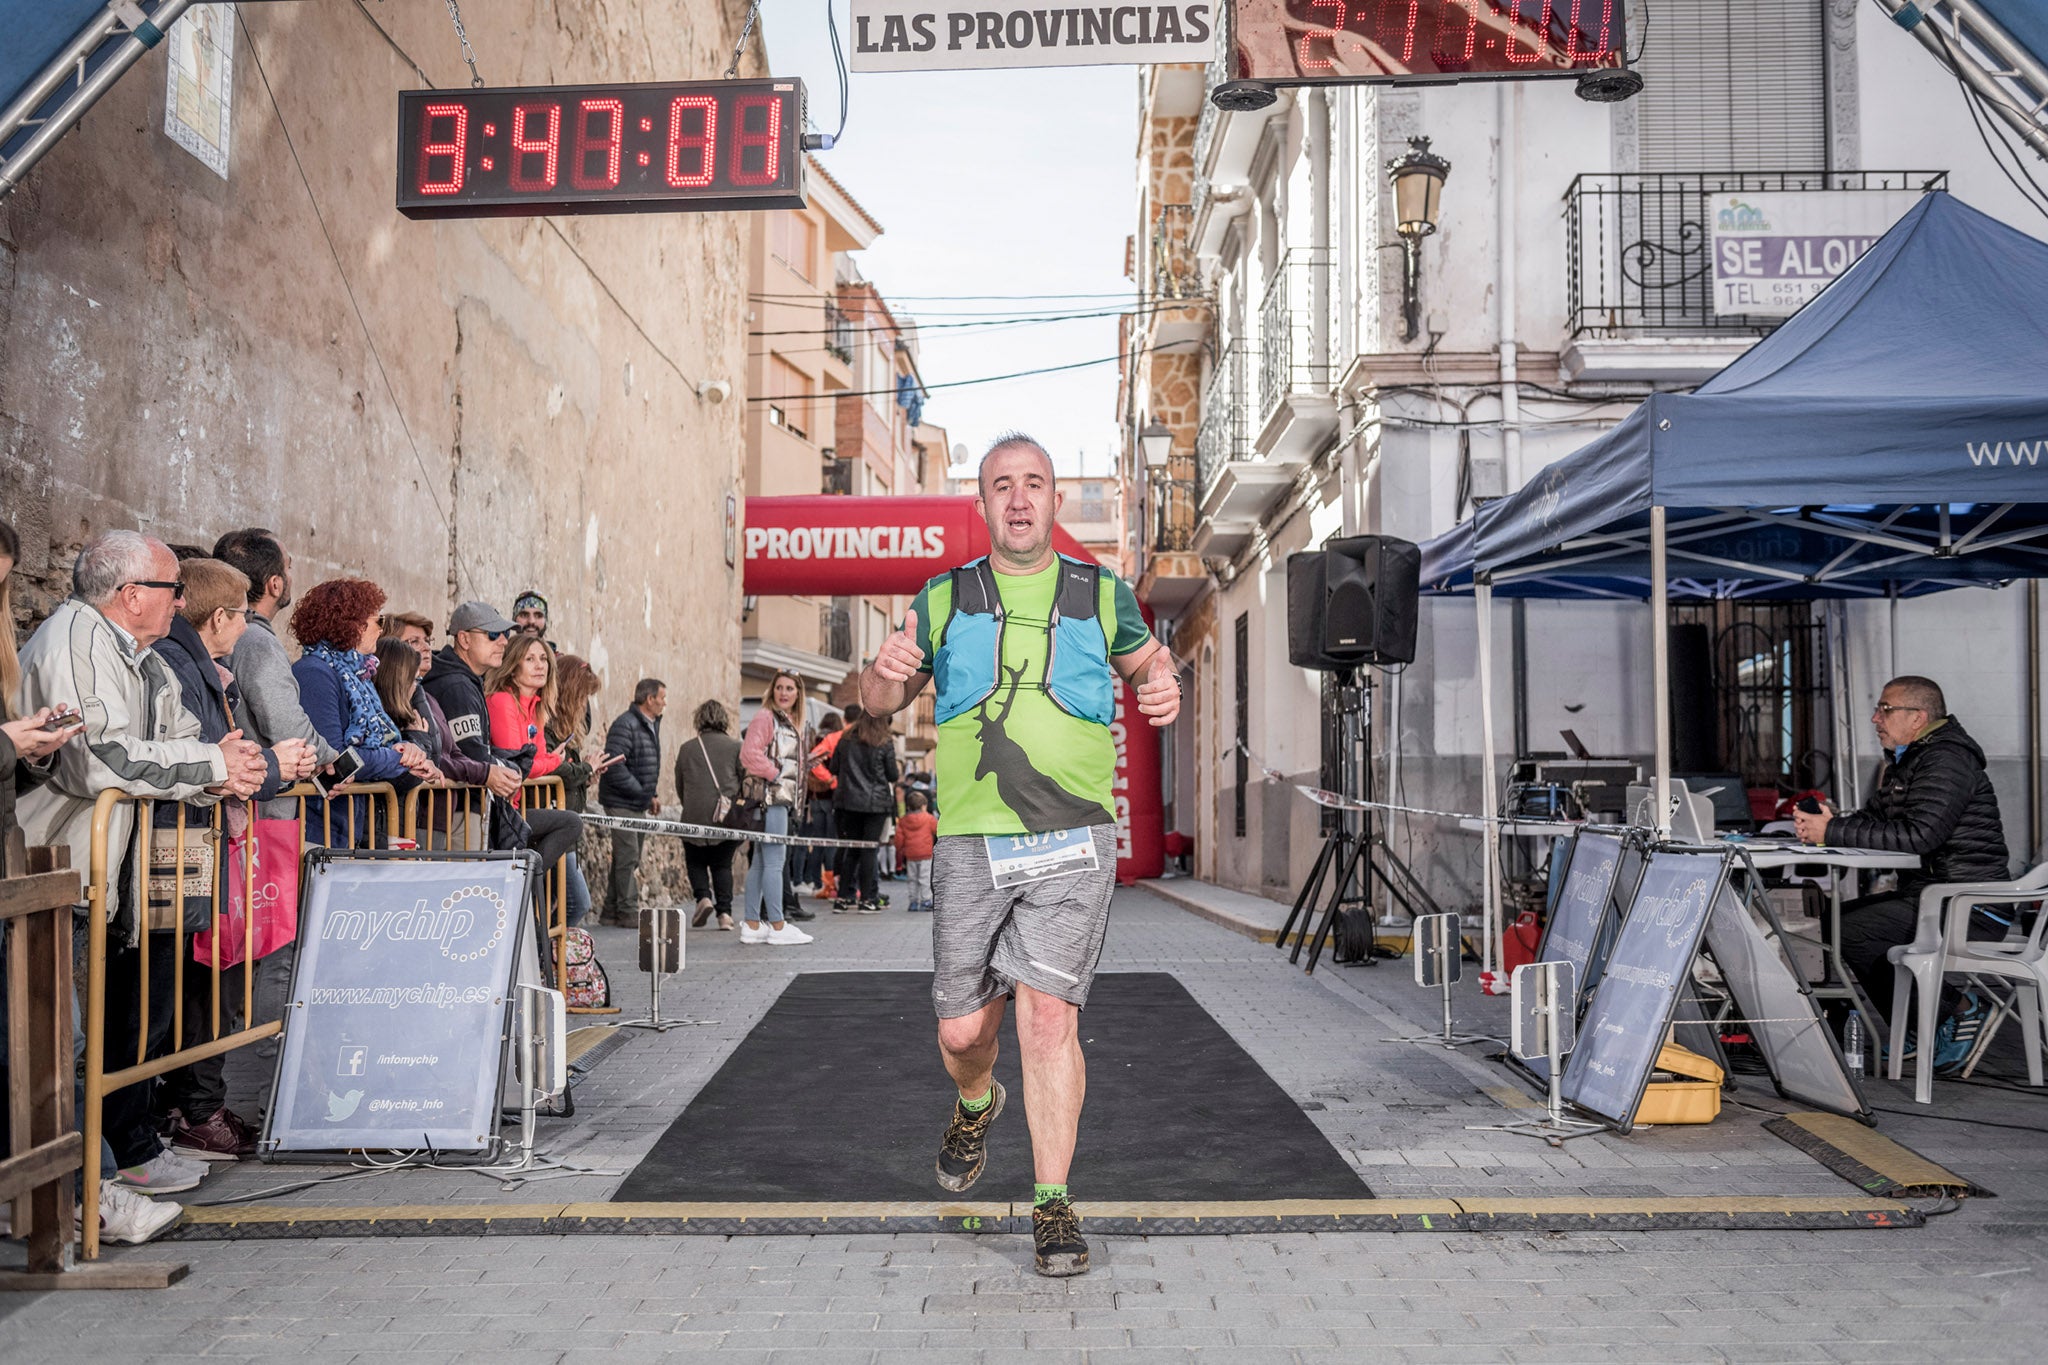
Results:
<point x="1173" y="515"/>
<point x="838" y="332"/>
<point x="1295" y="329"/>
<point x="1175" y="274"/>
<point x="1225" y="433"/>
<point x="835" y="629"/>
<point x="1221" y="68"/>
<point x="837" y="477"/>
<point x="1637" y="245"/>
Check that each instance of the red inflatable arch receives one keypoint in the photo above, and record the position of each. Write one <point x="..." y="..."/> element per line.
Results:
<point x="829" y="546"/>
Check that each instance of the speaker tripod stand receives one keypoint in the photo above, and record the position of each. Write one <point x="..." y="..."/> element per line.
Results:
<point x="1354" y="852"/>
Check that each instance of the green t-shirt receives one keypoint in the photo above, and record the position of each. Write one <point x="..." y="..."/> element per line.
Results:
<point x="1018" y="764"/>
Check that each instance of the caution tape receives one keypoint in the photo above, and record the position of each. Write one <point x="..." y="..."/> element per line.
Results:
<point x="646" y="825"/>
<point x="1338" y="801"/>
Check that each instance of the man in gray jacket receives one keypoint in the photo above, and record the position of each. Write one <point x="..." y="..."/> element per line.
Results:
<point x="93" y="656"/>
<point x="270" y="712"/>
<point x="270" y="693"/>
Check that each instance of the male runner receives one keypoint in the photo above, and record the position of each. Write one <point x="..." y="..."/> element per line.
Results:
<point x="1025" y="646"/>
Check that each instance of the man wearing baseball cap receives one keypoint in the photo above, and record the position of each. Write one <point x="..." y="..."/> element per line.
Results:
<point x="476" y="644"/>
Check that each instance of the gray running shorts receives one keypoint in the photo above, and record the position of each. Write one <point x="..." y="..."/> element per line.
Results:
<point x="1046" y="935"/>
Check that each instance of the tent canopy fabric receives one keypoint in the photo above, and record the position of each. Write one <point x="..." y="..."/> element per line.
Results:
<point x="37" y="31"/>
<point x="1891" y="437"/>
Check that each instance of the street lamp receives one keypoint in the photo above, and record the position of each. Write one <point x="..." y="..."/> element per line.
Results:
<point x="1155" y="443"/>
<point x="1418" y="179"/>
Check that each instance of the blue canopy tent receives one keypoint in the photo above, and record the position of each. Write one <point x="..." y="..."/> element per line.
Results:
<point x="56" y="58"/>
<point x="1889" y="439"/>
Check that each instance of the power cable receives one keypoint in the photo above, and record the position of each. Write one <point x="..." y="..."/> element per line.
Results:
<point x="341" y="271"/>
<point x="1973" y="102"/>
<point x="770" y="295"/>
<point x="1005" y="321"/>
<point x="825" y="144"/>
<point x="963" y="383"/>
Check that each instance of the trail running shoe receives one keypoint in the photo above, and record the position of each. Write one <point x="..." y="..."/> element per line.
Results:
<point x="1056" y="1239"/>
<point x="1956" y="1039"/>
<point x="964" y="1150"/>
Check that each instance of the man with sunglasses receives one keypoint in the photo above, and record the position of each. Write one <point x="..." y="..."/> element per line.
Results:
<point x="1933" y="799"/>
<point x="93" y="656"/>
<point x="476" y="644"/>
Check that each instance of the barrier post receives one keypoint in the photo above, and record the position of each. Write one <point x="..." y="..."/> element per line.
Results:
<point x="36" y="906"/>
<point x="101" y="901"/>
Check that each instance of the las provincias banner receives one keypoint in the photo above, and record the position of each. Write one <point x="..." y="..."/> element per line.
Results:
<point x="830" y="546"/>
<point x="914" y="35"/>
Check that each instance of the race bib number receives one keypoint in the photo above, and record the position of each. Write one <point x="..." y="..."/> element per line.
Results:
<point x="1014" y="859"/>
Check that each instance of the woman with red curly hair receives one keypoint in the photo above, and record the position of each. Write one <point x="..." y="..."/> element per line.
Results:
<point x="336" y="621"/>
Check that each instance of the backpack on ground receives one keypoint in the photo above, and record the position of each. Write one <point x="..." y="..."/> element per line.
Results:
<point x="586" y="985"/>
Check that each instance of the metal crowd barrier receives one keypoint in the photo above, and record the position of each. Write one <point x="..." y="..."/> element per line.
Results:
<point x="379" y="807"/>
<point x="548" y="793"/>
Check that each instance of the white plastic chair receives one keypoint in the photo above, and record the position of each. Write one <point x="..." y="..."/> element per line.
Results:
<point x="1942" y="947"/>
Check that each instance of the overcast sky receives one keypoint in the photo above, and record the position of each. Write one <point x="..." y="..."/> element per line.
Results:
<point x="989" y="182"/>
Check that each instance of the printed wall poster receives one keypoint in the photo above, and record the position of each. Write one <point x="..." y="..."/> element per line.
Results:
<point x="199" y="92"/>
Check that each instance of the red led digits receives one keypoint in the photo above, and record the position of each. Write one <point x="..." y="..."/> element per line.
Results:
<point x="703" y="142"/>
<point x="1445" y="50"/>
<point x="1574" y="51"/>
<point x="456" y="148"/>
<point x="1542" y="48"/>
<point x="768" y="140"/>
<point x="614" y="114"/>
<point x="1308" y="63"/>
<point x="548" y="146"/>
<point x="1407" y="27"/>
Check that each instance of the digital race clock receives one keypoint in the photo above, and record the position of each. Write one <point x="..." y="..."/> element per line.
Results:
<point x="674" y="147"/>
<point x="1296" y="42"/>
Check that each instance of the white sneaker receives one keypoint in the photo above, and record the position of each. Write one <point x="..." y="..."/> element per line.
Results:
<point x="163" y="1173"/>
<point x="787" y="933"/>
<point x="748" y="935"/>
<point x="126" y="1216"/>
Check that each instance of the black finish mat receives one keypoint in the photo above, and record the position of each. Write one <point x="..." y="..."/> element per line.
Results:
<point x="838" y="1094"/>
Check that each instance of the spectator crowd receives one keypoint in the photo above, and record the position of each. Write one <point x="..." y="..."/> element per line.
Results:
<point x="164" y="676"/>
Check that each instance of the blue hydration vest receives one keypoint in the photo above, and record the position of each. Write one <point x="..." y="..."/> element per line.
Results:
<point x="1078" y="677"/>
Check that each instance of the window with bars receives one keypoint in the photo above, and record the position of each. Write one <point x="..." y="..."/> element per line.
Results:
<point x="1764" y="710"/>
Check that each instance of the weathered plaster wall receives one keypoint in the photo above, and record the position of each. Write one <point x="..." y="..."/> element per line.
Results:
<point x="180" y="353"/>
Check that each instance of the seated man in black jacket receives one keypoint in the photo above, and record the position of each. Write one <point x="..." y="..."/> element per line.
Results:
<point x="1933" y="799"/>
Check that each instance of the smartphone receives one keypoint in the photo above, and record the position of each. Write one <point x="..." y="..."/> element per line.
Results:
<point x="62" y="720"/>
<point x="346" y="766"/>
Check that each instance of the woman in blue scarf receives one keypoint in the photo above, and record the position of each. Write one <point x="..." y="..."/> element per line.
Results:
<point x="337" y="623"/>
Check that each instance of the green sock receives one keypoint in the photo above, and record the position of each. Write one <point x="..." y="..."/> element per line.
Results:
<point x="1045" y="1194"/>
<point x="976" y="1106"/>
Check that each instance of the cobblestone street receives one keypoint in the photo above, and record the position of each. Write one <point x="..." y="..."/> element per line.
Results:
<point x="1969" y="1285"/>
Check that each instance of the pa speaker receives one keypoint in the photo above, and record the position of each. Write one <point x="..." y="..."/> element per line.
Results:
<point x="1353" y="602"/>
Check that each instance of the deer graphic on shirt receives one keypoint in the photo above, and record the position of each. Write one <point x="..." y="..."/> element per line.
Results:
<point x="1040" y="802"/>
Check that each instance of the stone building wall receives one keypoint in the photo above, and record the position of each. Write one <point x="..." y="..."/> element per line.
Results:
<point x="456" y="410"/>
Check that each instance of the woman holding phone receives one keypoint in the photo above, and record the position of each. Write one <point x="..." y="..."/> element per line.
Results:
<point x="520" y="694"/>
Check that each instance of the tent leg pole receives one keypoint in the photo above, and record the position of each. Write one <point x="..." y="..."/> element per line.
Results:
<point x="1660" y="669"/>
<point x="2034" y="794"/>
<point x="1895" y="627"/>
<point x="1490" y="926"/>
